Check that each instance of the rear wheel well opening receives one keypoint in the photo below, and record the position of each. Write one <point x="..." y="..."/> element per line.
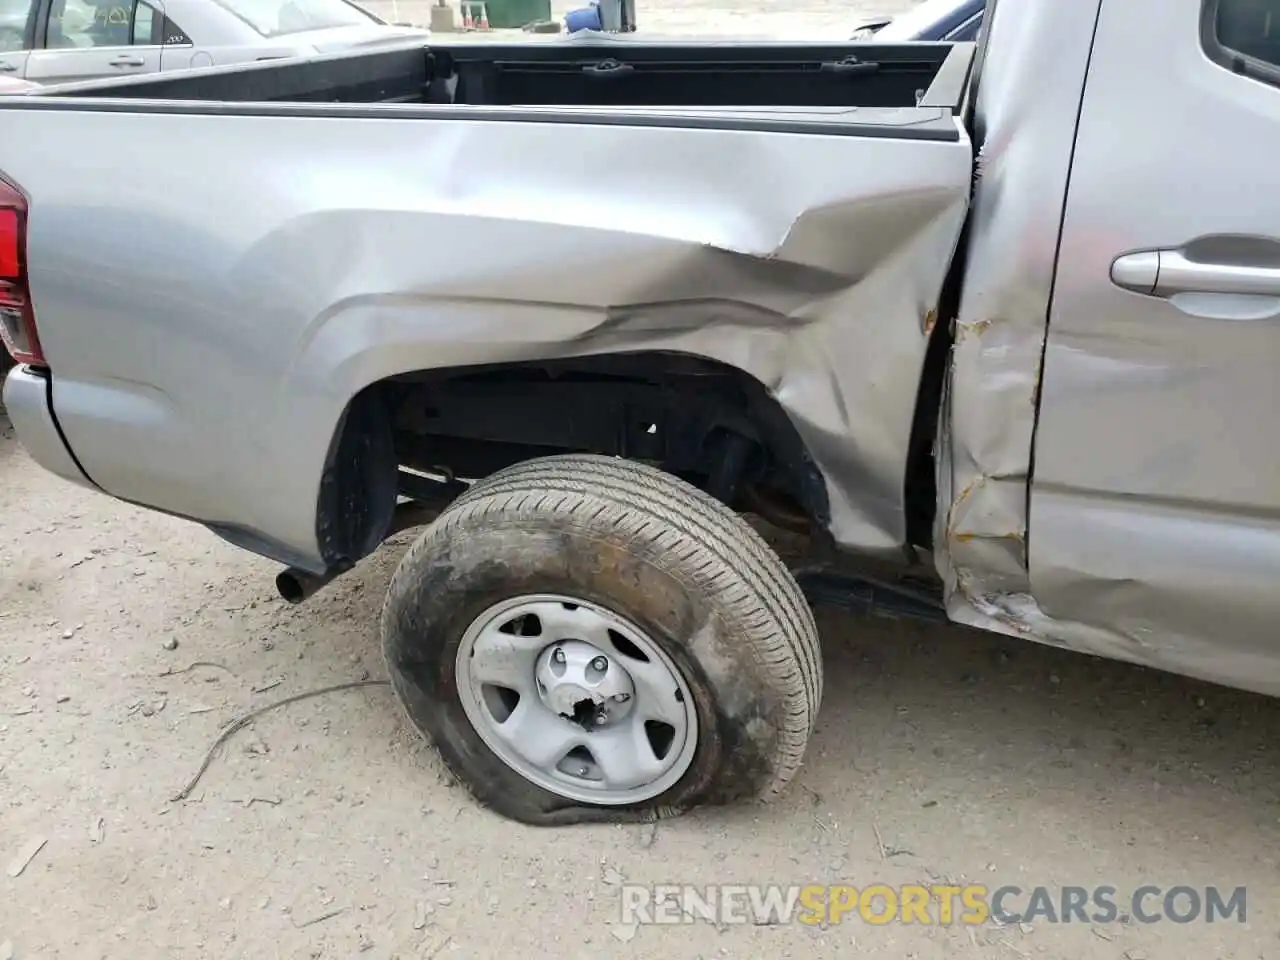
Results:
<point x="358" y="486"/>
<point x="426" y="434"/>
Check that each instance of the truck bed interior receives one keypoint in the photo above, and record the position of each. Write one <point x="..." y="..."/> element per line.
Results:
<point x="600" y="73"/>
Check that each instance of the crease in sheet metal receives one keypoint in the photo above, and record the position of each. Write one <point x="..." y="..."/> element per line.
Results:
<point x="1027" y="117"/>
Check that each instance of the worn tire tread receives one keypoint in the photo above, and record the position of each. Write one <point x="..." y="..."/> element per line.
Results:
<point x="689" y="512"/>
<point x="642" y="503"/>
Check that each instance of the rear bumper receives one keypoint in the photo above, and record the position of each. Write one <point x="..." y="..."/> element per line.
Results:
<point x="26" y="400"/>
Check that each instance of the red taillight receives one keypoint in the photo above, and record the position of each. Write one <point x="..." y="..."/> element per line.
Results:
<point x="17" y="319"/>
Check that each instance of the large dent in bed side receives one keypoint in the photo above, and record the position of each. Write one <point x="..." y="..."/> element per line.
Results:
<point x="1031" y="85"/>
<point x="361" y="248"/>
<point x="808" y="262"/>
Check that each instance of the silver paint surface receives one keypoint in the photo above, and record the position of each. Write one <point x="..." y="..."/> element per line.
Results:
<point x="209" y="317"/>
<point x="1149" y="529"/>
<point x="26" y="405"/>
<point x="1155" y="505"/>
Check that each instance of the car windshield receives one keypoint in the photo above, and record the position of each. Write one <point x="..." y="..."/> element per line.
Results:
<point x="918" y="20"/>
<point x="276" y="18"/>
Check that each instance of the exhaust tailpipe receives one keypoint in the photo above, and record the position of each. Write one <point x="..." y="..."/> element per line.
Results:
<point x="296" y="585"/>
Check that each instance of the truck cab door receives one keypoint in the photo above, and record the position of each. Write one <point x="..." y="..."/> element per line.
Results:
<point x="89" y="39"/>
<point x="1155" y="500"/>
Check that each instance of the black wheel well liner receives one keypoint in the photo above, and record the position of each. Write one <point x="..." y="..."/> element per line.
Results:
<point x="688" y="414"/>
<point x="358" y="485"/>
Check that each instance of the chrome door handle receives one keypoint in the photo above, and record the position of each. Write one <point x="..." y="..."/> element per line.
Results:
<point x="127" y="62"/>
<point x="1167" y="273"/>
<point x="7" y="67"/>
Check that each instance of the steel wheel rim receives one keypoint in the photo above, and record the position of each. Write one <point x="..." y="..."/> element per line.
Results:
<point x="517" y="684"/>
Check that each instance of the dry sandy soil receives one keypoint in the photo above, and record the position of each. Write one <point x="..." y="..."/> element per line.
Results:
<point x="328" y="829"/>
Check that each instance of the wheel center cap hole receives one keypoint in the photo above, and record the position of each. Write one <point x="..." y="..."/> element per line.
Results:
<point x="584" y="684"/>
<point x="584" y="714"/>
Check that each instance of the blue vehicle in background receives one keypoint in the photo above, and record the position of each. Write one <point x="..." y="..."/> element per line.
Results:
<point x="951" y="20"/>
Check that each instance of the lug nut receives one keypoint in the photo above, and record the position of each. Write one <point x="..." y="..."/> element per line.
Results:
<point x="583" y="771"/>
<point x="621" y="697"/>
<point x="600" y="663"/>
<point x="558" y="655"/>
<point x="601" y="718"/>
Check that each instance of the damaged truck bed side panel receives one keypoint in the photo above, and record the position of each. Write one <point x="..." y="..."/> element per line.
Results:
<point x="808" y="260"/>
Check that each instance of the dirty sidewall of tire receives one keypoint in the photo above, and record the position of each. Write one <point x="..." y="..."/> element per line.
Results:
<point x="457" y="570"/>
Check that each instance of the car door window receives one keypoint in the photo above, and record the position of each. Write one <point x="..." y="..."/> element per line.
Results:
<point x="278" y="18"/>
<point x="151" y="27"/>
<point x="75" y="24"/>
<point x="145" y="21"/>
<point x="171" y="34"/>
<point x="104" y="23"/>
<point x="1244" y="36"/>
<point x="16" y="17"/>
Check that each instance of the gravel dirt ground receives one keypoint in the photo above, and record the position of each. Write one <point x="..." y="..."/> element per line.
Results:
<point x="327" y="828"/>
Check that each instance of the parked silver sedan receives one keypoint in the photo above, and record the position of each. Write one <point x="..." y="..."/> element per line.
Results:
<point x="54" y="41"/>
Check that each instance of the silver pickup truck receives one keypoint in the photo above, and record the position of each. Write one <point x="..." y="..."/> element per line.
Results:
<point x="992" y="331"/>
